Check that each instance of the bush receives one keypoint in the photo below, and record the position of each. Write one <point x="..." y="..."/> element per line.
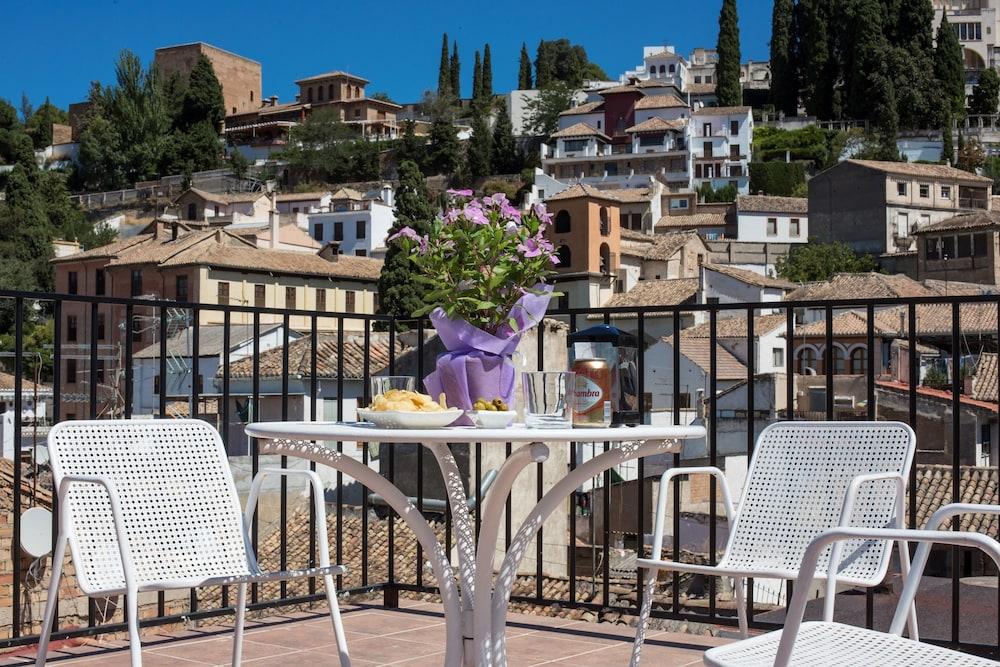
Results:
<point x="780" y="179"/>
<point x="936" y="378"/>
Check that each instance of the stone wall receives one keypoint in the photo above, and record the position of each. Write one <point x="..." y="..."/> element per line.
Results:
<point x="240" y="77"/>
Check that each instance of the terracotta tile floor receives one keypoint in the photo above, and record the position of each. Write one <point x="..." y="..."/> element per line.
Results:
<point x="412" y="636"/>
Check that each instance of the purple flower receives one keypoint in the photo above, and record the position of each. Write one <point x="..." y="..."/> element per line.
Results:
<point x="475" y="215"/>
<point x="408" y="233"/>
<point x="508" y="211"/>
<point x="460" y="193"/>
<point x="542" y="213"/>
<point x="510" y="228"/>
<point x="529" y="247"/>
<point x="496" y="199"/>
<point x="424" y="241"/>
<point x="554" y="259"/>
<point x="452" y="216"/>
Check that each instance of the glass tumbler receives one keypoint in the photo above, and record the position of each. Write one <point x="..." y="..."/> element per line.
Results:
<point x="548" y="399"/>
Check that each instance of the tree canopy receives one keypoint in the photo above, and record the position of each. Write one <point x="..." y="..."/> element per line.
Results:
<point x="324" y="148"/>
<point x="784" y="82"/>
<point x="559" y="60"/>
<point x="524" y="71"/>
<point x="986" y="93"/>
<point x="728" y="90"/>
<point x="542" y="112"/>
<point x="813" y="262"/>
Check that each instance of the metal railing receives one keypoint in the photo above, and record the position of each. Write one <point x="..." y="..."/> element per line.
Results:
<point x="920" y="323"/>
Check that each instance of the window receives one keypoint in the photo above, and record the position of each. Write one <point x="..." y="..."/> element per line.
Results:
<point x="156" y="384"/>
<point x="73" y="287"/>
<point x="678" y="203"/>
<point x="136" y="331"/>
<point x="318" y="231"/>
<point x="562" y="222"/>
<point x="902" y="225"/>
<point x="706" y="129"/>
<point x="925" y="191"/>
<point x="734" y="127"/>
<point x="99" y="371"/>
<point x="360" y="252"/>
<point x="945" y="192"/>
<point x="839" y="360"/>
<point x="652" y="69"/>
<point x="330" y="91"/>
<point x="805" y="361"/>
<point x="605" y="223"/>
<point x="708" y="78"/>
<point x="319" y="94"/>
<point x="101" y="329"/>
<point x="360" y="229"/>
<point x="932" y="248"/>
<point x="338" y="231"/>
<point x="948" y="247"/>
<point x="309" y="94"/>
<point x="979" y="245"/>
<point x="192" y="211"/>
<point x="136" y="282"/>
<point x="350" y="300"/>
<point x="651" y="140"/>
<point x="71" y="329"/>
<point x="965" y="245"/>
<point x="794" y="228"/>
<point x="215" y="210"/>
<point x="673" y="68"/>
<point x="605" y="254"/>
<point x="259" y="296"/>
<point x="772" y="226"/>
<point x="357" y="113"/>
<point x="859" y="361"/>
<point x="777" y="357"/>
<point x="901" y="189"/>
<point x="181" y="288"/>
<point x="321" y="299"/>
<point x="663" y="69"/>
<point x="289" y="297"/>
<point x="706" y="149"/>
<point x="734" y="151"/>
<point x="71" y="371"/>
<point x="223" y="294"/>
<point x="637" y="221"/>
<point x="251" y="96"/>
<point x="565" y="256"/>
<point x="99" y="282"/>
<point x="575" y="145"/>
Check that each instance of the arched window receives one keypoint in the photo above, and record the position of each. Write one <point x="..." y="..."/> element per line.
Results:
<point x="562" y="222"/>
<point x="309" y="94"/>
<point x="673" y="68"/>
<point x="859" y="361"/>
<point x="805" y="360"/>
<point x="357" y="91"/>
<point x="652" y="69"/>
<point x="663" y="69"/>
<point x="319" y="93"/>
<point x="329" y="93"/>
<point x="605" y="224"/>
<point x="605" y="259"/>
<point x="839" y="360"/>
<point x="565" y="257"/>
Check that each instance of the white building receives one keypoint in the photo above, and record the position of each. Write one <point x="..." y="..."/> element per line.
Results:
<point x="977" y="25"/>
<point x="721" y="139"/>
<point x="662" y="63"/>
<point x="727" y="284"/>
<point x="304" y="202"/>
<point x="765" y="219"/>
<point x="359" y="223"/>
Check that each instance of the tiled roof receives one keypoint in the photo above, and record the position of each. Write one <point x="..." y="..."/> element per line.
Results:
<point x="637" y="236"/>
<point x="958" y="288"/>
<point x="660" y="102"/>
<point x="699" y="350"/>
<point x="105" y="251"/>
<point x="580" y="130"/>
<point x="629" y="195"/>
<point x="337" y="72"/>
<point x="587" y="107"/>
<point x="656" y="293"/>
<point x="667" y="245"/>
<point x="736" y="327"/>
<point x="289" y="233"/>
<point x="657" y="124"/>
<point x="582" y="190"/>
<point x="224" y="198"/>
<point x="302" y="196"/>
<point x="700" y="88"/>
<point x="210" y="340"/>
<point x="721" y="111"/>
<point x="693" y="220"/>
<point x="921" y="170"/>
<point x="768" y="204"/>
<point x="628" y="88"/>
<point x="749" y="277"/>
<point x="871" y="285"/>
<point x="978" y="485"/>
<point x="977" y="220"/>
<point x="853" y="323"/>
<point x="348" y="193"/>
<point x="300" y="363"/>
<point x="932" y="320"/>
<point x="27" y="386"/>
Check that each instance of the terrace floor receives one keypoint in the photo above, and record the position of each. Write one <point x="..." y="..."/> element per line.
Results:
<point x="412" y="635"/>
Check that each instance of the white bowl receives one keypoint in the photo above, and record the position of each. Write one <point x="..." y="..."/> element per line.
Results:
<point x="414" y="420"/>
<point x="491" y="418"/>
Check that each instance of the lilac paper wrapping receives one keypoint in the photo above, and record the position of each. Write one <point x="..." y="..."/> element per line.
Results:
<point x="478" y="364"/>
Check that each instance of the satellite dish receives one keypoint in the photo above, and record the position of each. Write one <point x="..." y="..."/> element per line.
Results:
<point x="36" y="532"/>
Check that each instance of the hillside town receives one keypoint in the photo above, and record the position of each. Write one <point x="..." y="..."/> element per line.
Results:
<point x="811" y="237"/>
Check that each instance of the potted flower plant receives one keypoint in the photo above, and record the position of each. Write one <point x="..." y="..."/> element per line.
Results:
<point x="485" y="264"/>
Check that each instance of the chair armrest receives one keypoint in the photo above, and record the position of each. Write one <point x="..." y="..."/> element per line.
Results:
<point x="116" y="514"/>
<point x="318" y="504"/>
<point x="945" y="512"/>
<point x="807" y="571"/>
<point x="661" y="501"/>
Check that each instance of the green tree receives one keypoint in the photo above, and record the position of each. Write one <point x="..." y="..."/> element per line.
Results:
<point x="382" y="96"/>
<point x="410" y="147"/>
<point x="971" y="156"/>
<point x="323" y="148"/>
<point x="399" y="293"/>
<point x="545" y="64"/>
<point x="444" y="69"/>
<point x="239" y="165"/>
<point x="727" y="70"/>
<point x="487" y="79"/>
<point x="506" y="157"/>
<point x="444" y="149"/>
<point x="949" y="68"/>
<point x="871" y="83"/>
<point x="542" y="111"/>
<point x="8" y="115"/>
<point x="477" y="79"/>
<point x="784" y="81"/>
<point x="986" y="93"/>
<point x="814" y="262"/>
<point x="724" y="195"/>
<point x="814" y="58"/>
<point x="524" y="71"/>
<point x="203" y="100"/>
<point x="39" y="126"/>
<point x="25" y="232"/>
<point x="561" y="61"/>
<point x="479" y="155"/>
<point x="454" y="70"/>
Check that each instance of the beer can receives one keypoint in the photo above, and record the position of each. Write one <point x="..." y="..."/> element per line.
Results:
<point x="592" y="393"/>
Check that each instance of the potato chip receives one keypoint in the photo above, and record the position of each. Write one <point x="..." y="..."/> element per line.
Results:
<point x="401" y="400"/>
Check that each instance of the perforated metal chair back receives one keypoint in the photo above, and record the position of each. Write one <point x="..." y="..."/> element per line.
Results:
<point x="795" y="489"/>
<point x="179" y="504"/>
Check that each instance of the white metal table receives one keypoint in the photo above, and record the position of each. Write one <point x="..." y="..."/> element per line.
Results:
<point x="476" y="614"/>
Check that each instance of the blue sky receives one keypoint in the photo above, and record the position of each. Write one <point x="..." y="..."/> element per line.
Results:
<point x="56" y="48"/>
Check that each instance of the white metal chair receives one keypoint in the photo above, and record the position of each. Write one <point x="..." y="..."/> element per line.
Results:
<point x="151" y="505"/>
<point x="804" y="478"/>
<point x="828" y="643"/>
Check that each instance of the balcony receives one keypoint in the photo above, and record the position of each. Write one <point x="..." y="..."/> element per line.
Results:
<point x="574" y="604"/>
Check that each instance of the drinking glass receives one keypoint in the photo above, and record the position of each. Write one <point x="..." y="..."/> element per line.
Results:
<point x="383" y="383"/>
<point x="547" y="399"/>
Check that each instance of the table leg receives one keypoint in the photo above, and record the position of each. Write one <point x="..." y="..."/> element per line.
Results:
<point x="407" y="512"/>
<point x="529" y="527"/>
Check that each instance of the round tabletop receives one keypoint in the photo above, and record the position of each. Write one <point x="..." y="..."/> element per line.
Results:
<point x="361" y="431"/>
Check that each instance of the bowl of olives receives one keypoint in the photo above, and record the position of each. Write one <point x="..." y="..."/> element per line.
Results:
<point x="487" y="413"/>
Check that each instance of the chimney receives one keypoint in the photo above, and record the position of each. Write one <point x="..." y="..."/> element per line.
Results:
<point x="387" y="195"/>
<point x="173" y="231"/>
<point x="273" y="220"/>
<point x="330" y="252"/>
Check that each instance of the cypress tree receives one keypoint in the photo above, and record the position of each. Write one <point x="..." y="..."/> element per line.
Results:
<point x="914" y="25"/>
<point x="203" y="99"/>
<point x="949" y="67"/>
<point x="947" y="140"/>
<point x="399" y="293"/>
<point x="814" y="57"/>
<point x="444" y="69"/>
<point x="443" y="152"/>
<point x="479" y="158"/>
<point x="545" y="66"/>
<point x="524" y="73"/>
<point x="985" y="93"/>
<point x="784" y="83"/>
<point x="487" y="78"/>
<point x="477" y="79"/>
<point x="410" y="148"/>
<point x="456" y="85"/>
<point x="871" y="82"/>
<point x="727" y="70"/>
<point x="506" y="158"/>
